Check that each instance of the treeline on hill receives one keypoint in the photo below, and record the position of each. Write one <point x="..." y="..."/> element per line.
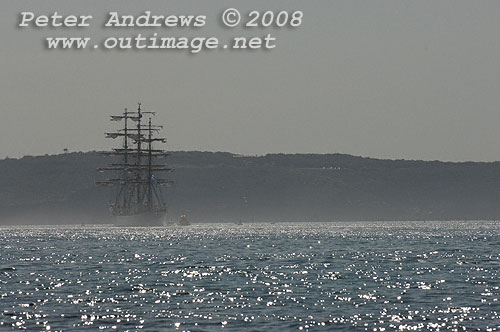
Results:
<point x="211" y="187"/>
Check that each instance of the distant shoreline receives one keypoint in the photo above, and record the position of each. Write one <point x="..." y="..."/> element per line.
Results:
<point x="221" y="186"/>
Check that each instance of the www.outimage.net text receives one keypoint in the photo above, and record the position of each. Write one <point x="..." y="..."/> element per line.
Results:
<point x="229" y="18"/>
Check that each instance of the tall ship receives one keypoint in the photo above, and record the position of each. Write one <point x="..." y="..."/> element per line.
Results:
<point x="137" y="170"/>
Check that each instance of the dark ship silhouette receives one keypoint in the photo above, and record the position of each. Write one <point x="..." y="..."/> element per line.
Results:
<point x="139" y="200"/>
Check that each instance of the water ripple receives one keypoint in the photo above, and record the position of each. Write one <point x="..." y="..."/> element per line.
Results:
<point x="375" y="276"/>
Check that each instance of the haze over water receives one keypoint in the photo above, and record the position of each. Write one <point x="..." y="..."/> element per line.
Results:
<point x="352" y="276"/>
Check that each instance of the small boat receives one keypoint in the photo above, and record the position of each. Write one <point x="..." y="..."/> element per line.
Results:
<point x="184" y="221"/>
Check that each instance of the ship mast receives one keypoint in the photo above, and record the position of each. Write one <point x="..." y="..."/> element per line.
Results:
<point x="138" y="160"/>
<point x="125" y="157"/>
<point x="150" y="165"/>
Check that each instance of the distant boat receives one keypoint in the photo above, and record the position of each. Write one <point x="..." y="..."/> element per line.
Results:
<point x="184" y="221"/>
<point x="139" y="200"/>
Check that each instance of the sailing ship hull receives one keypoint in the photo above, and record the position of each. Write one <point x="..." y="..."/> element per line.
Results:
<point x="147" y="219"/>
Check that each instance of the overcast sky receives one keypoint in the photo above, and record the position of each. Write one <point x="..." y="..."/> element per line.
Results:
<point x="386" y="79"/>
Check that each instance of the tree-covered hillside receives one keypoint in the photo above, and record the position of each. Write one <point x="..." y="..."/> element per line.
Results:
<point x="224" y="187"/>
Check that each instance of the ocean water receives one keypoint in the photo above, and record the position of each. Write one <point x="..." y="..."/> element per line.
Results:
<point x="364" y="276"/>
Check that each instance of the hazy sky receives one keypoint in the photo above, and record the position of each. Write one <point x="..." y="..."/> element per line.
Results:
<point x="387" y="79"/>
